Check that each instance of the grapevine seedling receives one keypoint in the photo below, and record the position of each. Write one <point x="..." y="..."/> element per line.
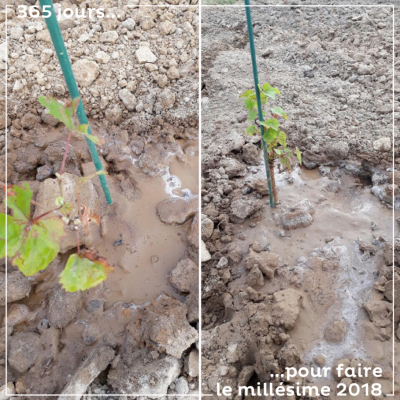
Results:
<point x="274" y="137"/>
<point x="34" y="242"/>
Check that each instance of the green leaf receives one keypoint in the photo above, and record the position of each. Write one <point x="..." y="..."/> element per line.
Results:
<point x="279" y="111"/>
<point x="63" y="113"/>
<point x="269" y="135"/>
<point x="14" y="235"/>
<point x="271" y="123"/>
<point x="83" y="129"/>
<point x="19" y="201"/>
<point x="252" y="115"/>
<point x="3" y="219"/>
<point x="282" y="138"/>
<point x="81" y="273"/>
<point x="264" y="98"/>
<point x="269" y="91"/>
<point x="250" y="104"/>
<point x="39" y="247"/>
<point x="251" y="130"/>
<point x="249" y="94"/>
<point x="298" y="154"/>
<point x="278" y="151"/>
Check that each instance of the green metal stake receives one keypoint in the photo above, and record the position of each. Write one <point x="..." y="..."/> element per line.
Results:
<point x="59" y="46"/>
<point x="259" y="106"/>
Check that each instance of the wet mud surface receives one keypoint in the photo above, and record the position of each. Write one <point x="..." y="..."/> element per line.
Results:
<point x="137" y="331"/>
<point x="308" y="283"/>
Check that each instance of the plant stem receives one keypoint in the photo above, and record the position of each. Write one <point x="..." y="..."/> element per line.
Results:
<point x="271" y="164"/>
<point x="65" y="153"/>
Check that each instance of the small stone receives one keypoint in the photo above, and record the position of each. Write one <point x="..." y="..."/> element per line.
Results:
<point x="95" y="306"/>
<point x="128" y="99"/>
<point x="320" y="360"/>
<point x="251" y="154"/>
<point x="336" y="332"/>
<point x="18" y="287"/>
<point x="64" y="307"/>
<point x="109" y="37"/>
<point x="207" y="227"/>
<point x="173" y="73"/>
<point x="96" y="362"/>
<point x="146" y="22"/>
<point x="166" y="99"/>
<point x="205" y="254"/>
<point x="102" y="57"/>
<point x="165" y="27"/>
<point x="185" y="275"/>
<point x="145" y="55"/>
<point x="192" y="363"/>
<point x="181" y="386"/>
<point x="16" y="33"/>
<point x="129" y="24"/>
<point x="364" y="69"/>
<point x="383" y="144"/>
<point x="255" y="277"/>
<point x="17" y="314"/>
<point x="44" y="172"/>
<point x="29" y="120"/>
<point x="85" y="72"/>
<point x="23" y="351"/>
<point x="296" y="219"/>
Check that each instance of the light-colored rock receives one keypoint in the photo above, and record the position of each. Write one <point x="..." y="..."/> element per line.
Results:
<point x="49" y="190"/>
<point x="336" y="332"/>
<point x="7" y="391"/>
<point x="109" y="37"/>
<point x="85" y="72"/>
<point x="145" y="55"/>
<point x="177" y="210"/>
<point x="102" y="57"/>
<point x="181" y="386"/>
<point x="380" y="312"/>
<point x="383" y="144"/>
<point x="185" y="275"/>
<point x="207" y="227"/>
<point x="193" y="234"/>
<point x="255" y="278"/>
<point x="192" y="363"/>
<point x="96" y="362"/>
<point x="320" y="360"/>
<point x="163" y="325"/>
<point x="129" y="24"/>
<point x="128" y="99"/>
<point x="205" y="254"/>
<point x="166" y="99"/>
<point x="149" y="379"/>
<point x="286" y="308"/>
<point x="242" y="208"/>
<point x="233" y="168"/>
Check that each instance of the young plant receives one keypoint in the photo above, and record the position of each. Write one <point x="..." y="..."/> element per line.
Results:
<point x="274" y="137"/>
<point x="34" y="242"/>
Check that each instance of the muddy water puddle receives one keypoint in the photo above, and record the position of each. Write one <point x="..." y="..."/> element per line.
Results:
<point x="144" y="250"/>
<point x="340" y="219"/>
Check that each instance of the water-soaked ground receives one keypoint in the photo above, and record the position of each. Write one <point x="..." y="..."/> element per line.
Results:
<point x="341" y="219"/>
<point x="142" y="250"/>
